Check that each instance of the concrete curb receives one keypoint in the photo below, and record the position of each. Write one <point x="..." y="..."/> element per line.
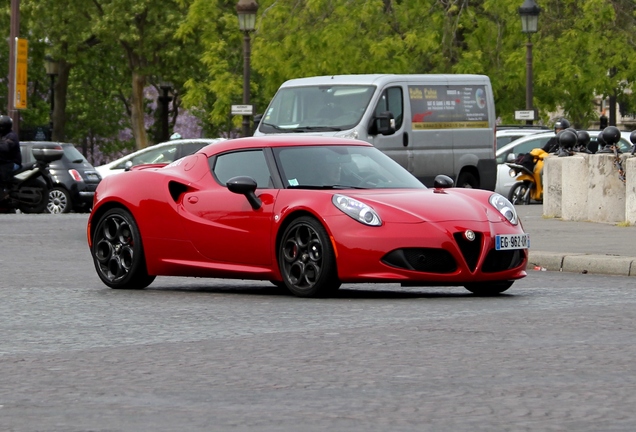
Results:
<point x="583" y="263"/>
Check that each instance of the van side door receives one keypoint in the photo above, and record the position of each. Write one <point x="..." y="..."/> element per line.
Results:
<point x="396" y="145"/>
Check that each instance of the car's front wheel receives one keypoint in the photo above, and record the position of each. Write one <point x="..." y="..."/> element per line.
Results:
<point x="59" y="201"/>
<point x="118" y="252"/>
<point x="489" y="288"/>
<point x="306" y="259"/>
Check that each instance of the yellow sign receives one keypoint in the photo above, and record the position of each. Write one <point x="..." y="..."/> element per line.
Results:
<point x="21" y="58"/>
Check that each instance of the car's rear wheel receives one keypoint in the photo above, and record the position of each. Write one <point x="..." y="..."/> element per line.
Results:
<point x="489" y="288"/>
<point x="118" y="251"/>
<point x="59" y="201"/>
<point x="306" y="259"/>
<point x="520" y="193"/>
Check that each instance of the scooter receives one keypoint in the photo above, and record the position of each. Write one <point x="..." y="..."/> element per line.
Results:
<point x="28" y="189"/>
<point x="529" y="186"/>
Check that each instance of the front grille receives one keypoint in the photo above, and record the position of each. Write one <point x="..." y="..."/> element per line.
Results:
<point x="470" y="249"/>
<point x="421" y="259"/>
<point x="503" y="260"/>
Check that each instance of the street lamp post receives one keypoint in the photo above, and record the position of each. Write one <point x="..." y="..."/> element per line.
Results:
<point x="529" y="12"/>
<point x="164" y="100"/>
<point x="246" y="10"/>
<point x="51" y="67"/>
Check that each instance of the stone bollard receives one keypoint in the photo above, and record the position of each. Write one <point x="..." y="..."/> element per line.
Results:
<point x="552" y="186"/>
<point x="630" y="190"/>
<point x="574" y="187"/>
<point x="606" y="191"/>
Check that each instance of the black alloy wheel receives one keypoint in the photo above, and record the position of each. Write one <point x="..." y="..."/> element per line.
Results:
<point x="488" y="288"/>
<point x="118" y="252"/>
<point x="306" y="259"/>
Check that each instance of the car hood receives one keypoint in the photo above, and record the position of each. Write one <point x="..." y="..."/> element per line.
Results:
<point x="430" y="205"/>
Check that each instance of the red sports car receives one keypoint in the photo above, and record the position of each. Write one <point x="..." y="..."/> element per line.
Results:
<point x="306" y="213"/>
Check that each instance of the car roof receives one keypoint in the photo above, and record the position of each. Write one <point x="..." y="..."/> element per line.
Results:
<point x="281" y="140"/>
<point x="46" y="143"/>
<point x="528" y="137"/>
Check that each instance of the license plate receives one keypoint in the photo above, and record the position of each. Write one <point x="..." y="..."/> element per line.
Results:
<point x="512" y="241"/>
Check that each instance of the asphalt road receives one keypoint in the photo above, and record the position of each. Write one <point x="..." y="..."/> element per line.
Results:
<point x="555" y="353"/>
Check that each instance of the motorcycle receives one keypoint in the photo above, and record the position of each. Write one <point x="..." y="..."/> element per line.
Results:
<point x="529" y="185"/>
<point x="28" y="189"/>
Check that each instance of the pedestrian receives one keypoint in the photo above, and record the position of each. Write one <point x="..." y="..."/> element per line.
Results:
<point x="553" y="143"/>
<point x="10" y="156"/>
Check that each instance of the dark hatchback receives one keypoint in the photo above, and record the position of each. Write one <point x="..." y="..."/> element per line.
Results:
<point x="74" y="178"/>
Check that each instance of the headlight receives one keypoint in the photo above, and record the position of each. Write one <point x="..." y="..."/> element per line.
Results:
<point x="357" y="210"/>
<point x="512" y="173"/>
<point x="504" y="207"/>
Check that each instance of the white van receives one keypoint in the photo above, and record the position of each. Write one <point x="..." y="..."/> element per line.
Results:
<point x="430" y="124"/>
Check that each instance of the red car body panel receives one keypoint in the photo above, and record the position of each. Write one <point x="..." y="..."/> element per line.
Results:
<point x="191" y="225"/>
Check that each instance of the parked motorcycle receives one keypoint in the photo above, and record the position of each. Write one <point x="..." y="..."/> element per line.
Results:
<point x="529" y="185"/>
<point x="28" y="189"/>
<point x="529" y="170"/>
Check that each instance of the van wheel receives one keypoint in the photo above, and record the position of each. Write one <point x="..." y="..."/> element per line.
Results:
<point x="467" y="180"/>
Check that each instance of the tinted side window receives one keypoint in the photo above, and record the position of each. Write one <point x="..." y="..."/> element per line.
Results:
<point x="392" y="100"/>
<point x="250" y="163"/>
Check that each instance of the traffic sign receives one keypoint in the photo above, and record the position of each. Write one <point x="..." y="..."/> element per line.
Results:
<point x="242" y="109"/>
<point x="525" y="115"/>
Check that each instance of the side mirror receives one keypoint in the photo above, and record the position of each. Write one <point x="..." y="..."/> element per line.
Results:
<point x="244" y="185"/>
<point x="511" y="157"/>
<point x="443" y="181"/>
<point x="383" y="124"/>
<point x="257" y="120"/>
<point x="128" y="165"/>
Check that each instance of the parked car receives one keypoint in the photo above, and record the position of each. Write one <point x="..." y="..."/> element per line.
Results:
<point x="74" y="178"/>
<point x="506" y="177"/>
<point x="306" y="213"/>
<point x="507" y="133"/>
<point x="165" y="152"/>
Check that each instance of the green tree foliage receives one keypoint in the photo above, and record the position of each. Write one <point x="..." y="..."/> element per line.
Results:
<point x="113" y="48"/>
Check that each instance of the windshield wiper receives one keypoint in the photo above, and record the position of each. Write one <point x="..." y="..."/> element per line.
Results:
<point x="315" y="128"/>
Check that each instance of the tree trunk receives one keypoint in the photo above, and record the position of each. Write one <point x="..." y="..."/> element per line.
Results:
<point x="137" y="110"/>
<point x="59" y="101"/>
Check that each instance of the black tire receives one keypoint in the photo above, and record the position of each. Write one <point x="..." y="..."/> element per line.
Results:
<point x="32" y="196"/>
<point x="118" y="252"/>
<point x="59" y="201"/>
<point x="520" y="193"/>
<point x="467" y="180"/>
<point x="306" y="259"/>
<point x="489" y="288"/>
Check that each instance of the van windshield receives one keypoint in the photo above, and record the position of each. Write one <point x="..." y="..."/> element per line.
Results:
<point x="316" y="108"/>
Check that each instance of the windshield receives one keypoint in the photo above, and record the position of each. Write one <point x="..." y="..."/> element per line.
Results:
<point x="316" y="108"/>
<point x="341" y="167"/>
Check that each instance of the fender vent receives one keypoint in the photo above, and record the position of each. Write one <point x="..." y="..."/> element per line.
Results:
<point x="176" y="190"/>
<point x="421" y="259"/>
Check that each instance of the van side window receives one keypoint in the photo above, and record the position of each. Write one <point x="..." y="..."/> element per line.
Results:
<point x="392" y="100"/>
